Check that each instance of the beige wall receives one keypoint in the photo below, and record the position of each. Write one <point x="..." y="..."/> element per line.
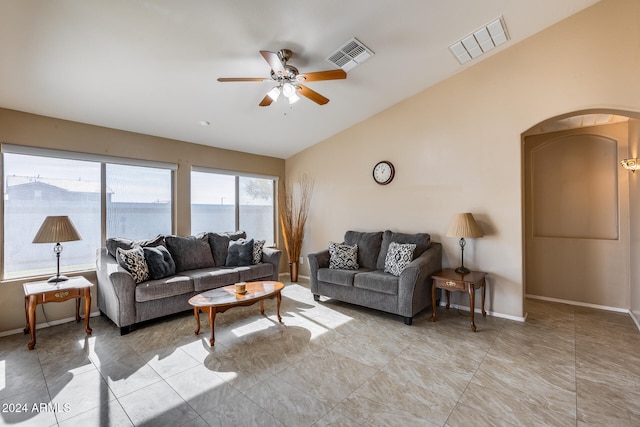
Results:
<point x="457" y="145"/>
<point x="32" y="130"/>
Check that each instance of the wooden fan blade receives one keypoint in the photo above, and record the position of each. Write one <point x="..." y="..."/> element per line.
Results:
<point x="323" y="75"/>
<point x="266" y="101"/>
<point x="312" y="95"/>
<point x="274" y="61"/>
<point x="242" y="79"/>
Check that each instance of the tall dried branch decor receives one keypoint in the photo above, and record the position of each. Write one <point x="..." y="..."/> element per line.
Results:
<point x="293" y="215"/>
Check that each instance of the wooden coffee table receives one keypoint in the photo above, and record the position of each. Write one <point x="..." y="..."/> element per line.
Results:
<point x="222" y="299"/>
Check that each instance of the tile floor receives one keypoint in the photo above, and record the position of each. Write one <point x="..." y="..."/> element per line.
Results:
<point x="330" y="364"/>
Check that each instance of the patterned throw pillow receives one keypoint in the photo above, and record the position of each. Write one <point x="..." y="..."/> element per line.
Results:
<point x="343" y="256"/>
<point x="257" y="250"/>
<point x="133" y="261"/>
<point x="398" y="257"/>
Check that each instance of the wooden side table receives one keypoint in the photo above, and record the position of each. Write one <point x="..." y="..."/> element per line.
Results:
<point x="451" y="281"/>
<point x="42" y="292"/>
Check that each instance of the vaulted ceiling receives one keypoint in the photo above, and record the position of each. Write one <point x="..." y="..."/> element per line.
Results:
<point x="151" y="66"/>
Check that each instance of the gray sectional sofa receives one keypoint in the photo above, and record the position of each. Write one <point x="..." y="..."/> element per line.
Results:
<point x="177" y="269"/>
<point x="405" y="291"/>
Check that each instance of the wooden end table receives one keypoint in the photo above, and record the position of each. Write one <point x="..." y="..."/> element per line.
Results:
<point x="451" y="281"/>
<point x="42" y="292"/>
<point x="222" y="299"/>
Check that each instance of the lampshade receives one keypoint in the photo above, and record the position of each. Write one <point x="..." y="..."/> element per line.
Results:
<point x="274" y="93"/>
<point x="56" y="229"/>
<point x="464" y="225"/>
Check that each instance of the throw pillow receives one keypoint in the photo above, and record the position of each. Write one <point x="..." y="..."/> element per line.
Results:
<point x="133" y="261"/>
<point x="399" y="256"/>
<point x="159" y="262"/>
<point x="257" y="250"/>
<point x="114" y="243"/>
<point x="190" y="252"/>
<point x="240" y="253"/>
<point x="219" y="243"/>
<point x="343" y="256"/>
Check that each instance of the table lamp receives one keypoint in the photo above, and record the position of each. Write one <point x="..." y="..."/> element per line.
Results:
<point x="56" y="229"/>
<point x="464" y="226"/>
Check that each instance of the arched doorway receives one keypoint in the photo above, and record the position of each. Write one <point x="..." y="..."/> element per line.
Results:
<point x="577" y="220"/>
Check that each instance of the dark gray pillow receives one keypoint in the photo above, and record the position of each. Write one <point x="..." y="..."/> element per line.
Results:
<point x="368" y="246"/>
<point x="160" y="262"/>
<point x="421" y="240"/>
<point x="190" y="252"/>
<point x="114" y="243"/>
<point x="219" y="243"/>
<point x="240" y="253"/>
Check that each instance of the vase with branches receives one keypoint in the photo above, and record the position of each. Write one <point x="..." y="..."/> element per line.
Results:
<point x="293" y="217"/>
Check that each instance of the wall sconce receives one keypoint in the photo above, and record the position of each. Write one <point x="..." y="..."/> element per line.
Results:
<point x="631" y="164"/>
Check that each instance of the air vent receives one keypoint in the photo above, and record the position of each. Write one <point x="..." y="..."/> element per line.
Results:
<point x="352" y="54"/>
<point x="480" y="41"/>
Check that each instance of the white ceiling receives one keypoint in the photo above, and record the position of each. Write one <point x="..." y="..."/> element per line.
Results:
<point x="151" y="66"/>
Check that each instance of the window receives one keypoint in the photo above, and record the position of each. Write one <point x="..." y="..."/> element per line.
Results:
<point x="224" y="202"/>
<point x="39" y="183"/>
<point x="37" y="187"/>
<point x="138" y="201"/>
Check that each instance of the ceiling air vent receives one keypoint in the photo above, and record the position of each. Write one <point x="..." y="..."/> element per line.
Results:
<point x="350" y="55"/>
<point x="480" y="41"/>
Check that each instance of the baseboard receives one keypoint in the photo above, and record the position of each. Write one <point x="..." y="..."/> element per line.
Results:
<point x="581" y="304"/>
<point x="46" y="324"/>
<point x="489" y="313"/>
<point x="633" y="316"/>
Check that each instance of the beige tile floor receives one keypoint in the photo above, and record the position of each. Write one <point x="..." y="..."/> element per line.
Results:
<point x="330" y="364"/>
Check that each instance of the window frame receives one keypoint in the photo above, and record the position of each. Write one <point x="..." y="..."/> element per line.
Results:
<point x="103" y="160"/>
<point x="238" y="174"/>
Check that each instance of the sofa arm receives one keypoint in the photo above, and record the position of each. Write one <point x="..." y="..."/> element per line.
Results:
<point x="317" y="260"/>
<point x="116" y="290"/>
<point x="414" y="286"/>
<point x="272" y="256"/>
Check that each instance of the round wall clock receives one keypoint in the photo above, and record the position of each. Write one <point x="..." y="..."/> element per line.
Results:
<point x="383" y="172"/>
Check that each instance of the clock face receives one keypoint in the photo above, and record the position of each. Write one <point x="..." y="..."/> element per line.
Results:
<point x="383" y="172"/>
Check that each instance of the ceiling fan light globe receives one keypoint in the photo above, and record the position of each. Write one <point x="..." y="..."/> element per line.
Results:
<point x="274" y="93"/>
<point x="293" y="98"/>
<point x="288" y="89"/>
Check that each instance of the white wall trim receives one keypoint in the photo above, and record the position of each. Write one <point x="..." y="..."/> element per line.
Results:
<point x="581" y="304"/>
<point x="46" y="324"/>
<point x="489" y="313"/>
<point x="595" y="306"/>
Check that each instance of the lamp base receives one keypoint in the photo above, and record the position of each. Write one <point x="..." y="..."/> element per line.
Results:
<point x="463" y="270"/>
<point x="56" y="279"/>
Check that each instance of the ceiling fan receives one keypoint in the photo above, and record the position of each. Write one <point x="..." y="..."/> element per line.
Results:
<point x="289" y="80"/>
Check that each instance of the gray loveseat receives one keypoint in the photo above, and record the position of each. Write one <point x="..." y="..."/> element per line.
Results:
<point x="199" y="263"/>
<point x="369" y="285"/>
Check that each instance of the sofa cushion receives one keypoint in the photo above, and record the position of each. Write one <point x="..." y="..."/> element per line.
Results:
<point x="254" y="272"/>
<point x="258" y="245"/>
<point x="421" y="240"/>
<point x="190" y="252"/>
<point x="377" y="281"/>
<point x="133" y="261"/>
<point x="368" y="246"/>
<point x="343" y="256"/>
<point x="337" y="277"/>
<point x="219" y="243"/>
<point x="159" y="261"/>
<point x="113" y="243"/>
<point x="211" y="278"/>
<point x="164" y="288"/>
<point x="399" y="256"/>
<point x="240" y="253"/>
